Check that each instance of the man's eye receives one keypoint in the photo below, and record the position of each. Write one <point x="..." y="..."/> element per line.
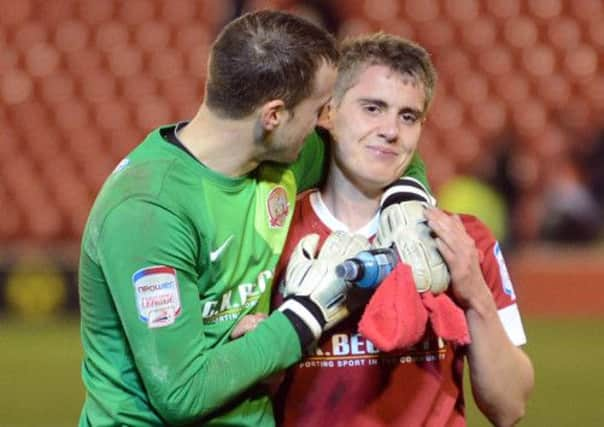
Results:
<point x="409" y="118"/>
<point x="372" y="108"/>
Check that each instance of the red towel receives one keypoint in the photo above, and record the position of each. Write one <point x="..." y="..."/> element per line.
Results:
<point x="396" y="315"/>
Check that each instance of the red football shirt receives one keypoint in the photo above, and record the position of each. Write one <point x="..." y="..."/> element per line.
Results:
<point x="348" y="382"/>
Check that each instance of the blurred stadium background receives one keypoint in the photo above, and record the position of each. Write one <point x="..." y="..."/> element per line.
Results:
<point x="515" y="136"/>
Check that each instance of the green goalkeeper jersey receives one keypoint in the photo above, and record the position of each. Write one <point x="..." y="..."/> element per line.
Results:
<point x="173" y="256"/>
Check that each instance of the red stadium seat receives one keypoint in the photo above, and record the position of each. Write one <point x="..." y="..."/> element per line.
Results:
<point x="112" y="115"/>
<point x="111" y="35"/>
<point x="530" y="119"/>
<point x="480" y="35"/>
<point x="9" y="60"/>
<point x="399" y="27"/>
<point x="43" y="219"/>
<point x="496" y="61"/>
<point x="436" y="34"/>
<point x="504" y="10"/>
<point x="471" y="89"/>
<point x="489" y="118"/>
<point x="520" y="32"/>
<point x="42" y="143"/>
<point x="452" y="62"/>
<point x="462" y="11"/>
<point x="564" y="33"/>
<point x="29" y="34"/>
<point x="513" y="88"/>
<point x="12" y="223"/>
<point x="576" y="115"/>
<point x="545" y="9"/>
<point x="16" y="87"/>
<point x="554" y="90"/>
<point x="125" y="61"/>
<point x="99" y="86"/>
<point x="166" y="64"/>
<point x="596" y="34"/>
<point x="71" y="115"/>
<point x="16" y="14"/>
<point x="442" y="169"/>
<point x="71" y="36"/>
<point x="24" y="113"/>
<point x="380" y="11"/>
<point x="422" y="11"/>
<point x="94" y="12"/>
<point x="181" y="90"/>
<point x="587" y="10"/>
<point x="122" y="141"/>
<point x="41" y="59"/>
<point x="54" y="13"/>
<point x="197" y="62"/>
<point x="216" y="13"/>
<point x="152" y="36"/>
<point x="178" y="12"/>
<point x="30" y="197"/>
<point x="581" y="62"/>
<point x="135" y="12"/>
<point x="190" y="36"/>
<point x="539" y="61"/>
<point x="11" y="142"/>
<point x="152" y="111"/>
<point x="83" y="62"/>
<point x="352" y="27"/>
<point x="447" y="114"/>
<point x="594" y="92"/>
<point x="185" y="110"/>
<point x="135" y="87"/>
<point x="462" y="146"/>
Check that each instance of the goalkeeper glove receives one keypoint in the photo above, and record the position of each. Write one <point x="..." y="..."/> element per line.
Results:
<point x="315" y="296"/>
<point x="403" y="224"/>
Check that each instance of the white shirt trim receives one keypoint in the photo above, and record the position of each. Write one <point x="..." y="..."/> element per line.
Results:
<point x="334" y="224"/>
<point x="512" y="323"/>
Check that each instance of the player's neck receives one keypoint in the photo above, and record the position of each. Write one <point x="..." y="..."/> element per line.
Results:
<point x="348" y="203"/>
<point x="222" y="145"/>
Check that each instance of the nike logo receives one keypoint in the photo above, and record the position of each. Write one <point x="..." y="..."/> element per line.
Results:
<point x="215" y="254"/>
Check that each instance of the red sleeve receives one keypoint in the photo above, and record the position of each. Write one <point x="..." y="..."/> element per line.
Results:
<point x="492" y="263"/>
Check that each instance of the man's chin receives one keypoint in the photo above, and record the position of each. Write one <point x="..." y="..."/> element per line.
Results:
<point x="286" y="158"/>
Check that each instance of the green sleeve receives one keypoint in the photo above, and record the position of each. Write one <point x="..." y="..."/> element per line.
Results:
<point x="309" y="167"/>
<point x="185" y="378"/>
<point x="417" y="170"/>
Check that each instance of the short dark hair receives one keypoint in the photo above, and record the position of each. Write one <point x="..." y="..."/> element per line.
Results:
<point x="265" y="55"/>
<point x="397" y="53"/>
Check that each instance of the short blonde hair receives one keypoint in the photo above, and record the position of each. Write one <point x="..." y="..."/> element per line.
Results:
<point x="399" y="54"/>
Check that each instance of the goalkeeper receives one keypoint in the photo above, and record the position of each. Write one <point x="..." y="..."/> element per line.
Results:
<point x="383" y="90"/>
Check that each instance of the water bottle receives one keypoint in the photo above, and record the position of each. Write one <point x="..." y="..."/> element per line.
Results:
<point x="368" y="268"/>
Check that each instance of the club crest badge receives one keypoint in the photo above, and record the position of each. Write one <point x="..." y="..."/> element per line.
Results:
<point x="157" y="295"/>
<point x="278" y="207"/>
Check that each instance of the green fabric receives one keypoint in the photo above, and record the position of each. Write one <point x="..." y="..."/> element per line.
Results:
<point x="166" y="209"/>
<point x="417" y="170"/>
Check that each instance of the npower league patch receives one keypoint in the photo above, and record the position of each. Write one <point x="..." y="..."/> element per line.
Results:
<point x="157" y="295"/>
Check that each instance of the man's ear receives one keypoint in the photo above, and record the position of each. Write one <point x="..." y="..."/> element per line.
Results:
<point x="272" y="113"/>
<point x="326" y="116"/>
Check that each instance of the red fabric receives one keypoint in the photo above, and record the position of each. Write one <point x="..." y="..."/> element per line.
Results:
<point x="396" y="315"/>
<point x="348" y="382"/>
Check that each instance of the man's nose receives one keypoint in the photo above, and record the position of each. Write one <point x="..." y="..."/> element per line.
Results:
<point x="389" y="129"/>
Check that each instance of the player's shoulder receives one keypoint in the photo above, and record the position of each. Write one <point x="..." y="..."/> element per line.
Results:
<point x="478" y="230"/>
<point x="151" y="174"/>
